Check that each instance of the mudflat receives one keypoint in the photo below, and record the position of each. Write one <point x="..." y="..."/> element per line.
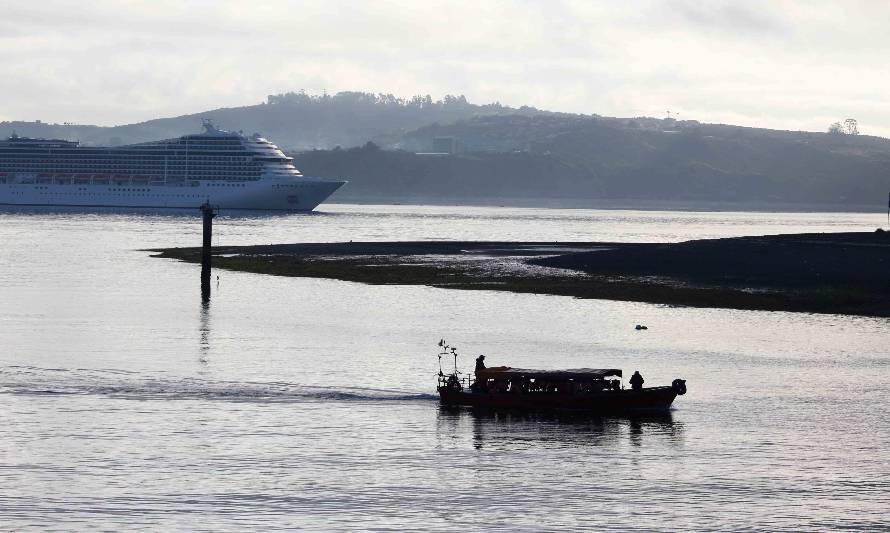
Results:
<point x="844" y="273"/>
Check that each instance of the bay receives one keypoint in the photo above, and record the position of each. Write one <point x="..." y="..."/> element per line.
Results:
<point x="304" y="403"/>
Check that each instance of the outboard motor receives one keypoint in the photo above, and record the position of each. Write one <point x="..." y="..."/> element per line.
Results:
<point x="679" y="386"/>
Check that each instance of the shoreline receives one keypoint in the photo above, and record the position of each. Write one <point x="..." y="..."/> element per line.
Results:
<point x="617" y="204"/>
<point x="836" y="273"/>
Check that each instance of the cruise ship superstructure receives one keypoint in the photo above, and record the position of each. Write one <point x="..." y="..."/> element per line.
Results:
<point x="226" y="169"/>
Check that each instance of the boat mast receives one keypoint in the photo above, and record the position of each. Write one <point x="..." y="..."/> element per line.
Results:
<point x="445" y="351"/>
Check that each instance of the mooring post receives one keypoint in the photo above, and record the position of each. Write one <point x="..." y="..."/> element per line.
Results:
<point x="208" y="212"/>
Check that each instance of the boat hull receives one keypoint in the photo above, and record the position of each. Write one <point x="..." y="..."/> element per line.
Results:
<point x="620" y="401"/>
<point x="279" y="195"/>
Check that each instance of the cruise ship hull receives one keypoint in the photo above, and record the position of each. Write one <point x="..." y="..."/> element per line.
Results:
<point x="278" y="195"/>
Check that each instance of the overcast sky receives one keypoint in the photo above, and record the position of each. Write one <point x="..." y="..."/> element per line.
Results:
<point x="787" y="65"/>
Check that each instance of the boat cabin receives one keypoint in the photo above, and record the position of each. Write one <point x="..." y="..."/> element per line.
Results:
<point x="505" y="379"/>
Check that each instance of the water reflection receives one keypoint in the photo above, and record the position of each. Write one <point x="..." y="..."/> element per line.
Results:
<point x="204" y="330"/>
<point x="510" y="429"/>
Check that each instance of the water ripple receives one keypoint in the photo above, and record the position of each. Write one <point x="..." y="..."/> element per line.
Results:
<point x="108" y="383"/>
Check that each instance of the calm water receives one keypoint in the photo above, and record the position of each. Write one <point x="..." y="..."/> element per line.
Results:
<point x="299" y="403"/>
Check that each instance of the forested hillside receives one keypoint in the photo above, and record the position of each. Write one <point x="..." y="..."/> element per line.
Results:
<point x="396" y="175"/>
<point x="665" y="159"/>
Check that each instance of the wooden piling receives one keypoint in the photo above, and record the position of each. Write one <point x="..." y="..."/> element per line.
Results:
<point x="208" y="212"/>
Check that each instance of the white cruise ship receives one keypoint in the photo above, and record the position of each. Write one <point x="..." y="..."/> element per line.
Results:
<point x="226" y="169"/>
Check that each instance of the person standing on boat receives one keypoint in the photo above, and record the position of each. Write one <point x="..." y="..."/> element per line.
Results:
<point x="478" y="386"/>
<point x="636" y="381"/>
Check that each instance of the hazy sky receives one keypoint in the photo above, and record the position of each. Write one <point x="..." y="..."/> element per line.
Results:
<point x="789" y="65"/>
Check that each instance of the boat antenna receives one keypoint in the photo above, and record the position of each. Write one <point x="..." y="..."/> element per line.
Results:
<point x="443" y="352"/>
<point x="454" y="353"/>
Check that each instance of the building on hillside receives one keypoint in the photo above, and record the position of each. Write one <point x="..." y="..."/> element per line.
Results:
<point x="448" y="144"/>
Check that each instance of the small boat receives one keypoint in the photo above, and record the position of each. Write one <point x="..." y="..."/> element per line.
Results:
<point x="595" y="390"/>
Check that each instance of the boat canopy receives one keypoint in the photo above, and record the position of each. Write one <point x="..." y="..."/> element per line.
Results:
<point x="507" y="372"/>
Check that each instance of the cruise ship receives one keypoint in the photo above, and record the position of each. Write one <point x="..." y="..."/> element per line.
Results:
<point x="226" y="169"/>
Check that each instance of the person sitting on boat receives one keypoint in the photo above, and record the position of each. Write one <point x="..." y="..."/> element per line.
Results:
<point x="636" y="381"/>
<point x="480" y="363"/>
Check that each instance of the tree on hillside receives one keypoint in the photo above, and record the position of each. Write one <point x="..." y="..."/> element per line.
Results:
<point x="849" y="127"/>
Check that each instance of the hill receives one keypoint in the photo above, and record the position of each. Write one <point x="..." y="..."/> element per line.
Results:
<point x="587" y="159"/>
<point x="499" y="154"/>
<point x="665" y="159"/>
<point x="377" y="175"/>
<point x="295" y="121"/>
